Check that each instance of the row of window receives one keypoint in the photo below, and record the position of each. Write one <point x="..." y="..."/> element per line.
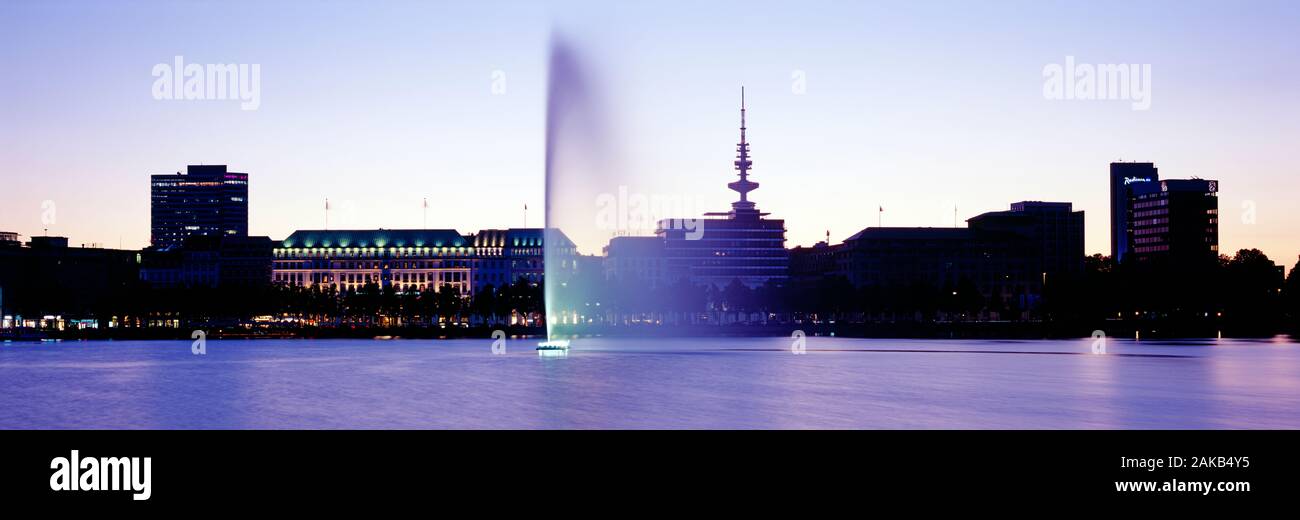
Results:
<point x="1152" y="249"/>
<point x="1151" y="204"/>
<point x="371" y="252"/>
<point x="1151" y="213"/>
<point x="363" y="278"/>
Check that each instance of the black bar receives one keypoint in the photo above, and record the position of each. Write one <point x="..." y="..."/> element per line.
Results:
<point x="324" y="468"/>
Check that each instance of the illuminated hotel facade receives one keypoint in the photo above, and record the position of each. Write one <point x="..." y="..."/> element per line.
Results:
<point x="409" y="260"/>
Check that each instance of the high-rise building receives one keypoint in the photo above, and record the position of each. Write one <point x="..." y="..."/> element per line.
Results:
<point x="206" y="200"/>
<point x="741" y="244"/>
<point x="1175" y="220"/>
<point x="1123" y="178"/>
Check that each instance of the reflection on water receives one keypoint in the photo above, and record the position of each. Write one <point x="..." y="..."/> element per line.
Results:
<point x="659" y="383"/>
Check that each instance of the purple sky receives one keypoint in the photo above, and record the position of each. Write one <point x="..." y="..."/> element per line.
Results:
<point x="914" y="106"/>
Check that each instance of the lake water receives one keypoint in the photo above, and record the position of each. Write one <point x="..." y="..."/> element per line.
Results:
<point x="645" y="383"/>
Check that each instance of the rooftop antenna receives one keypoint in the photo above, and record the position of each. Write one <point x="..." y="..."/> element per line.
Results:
<point x="426" y="213"/>
<point x="327" y="214"/>
<point x="525" y="215"/>
<point x="742" y="164"/>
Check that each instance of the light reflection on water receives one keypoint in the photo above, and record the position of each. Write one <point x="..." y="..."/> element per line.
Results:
<point x="652" y="383"/>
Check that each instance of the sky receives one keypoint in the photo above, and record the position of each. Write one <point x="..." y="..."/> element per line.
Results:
<point x="917" y="107"/>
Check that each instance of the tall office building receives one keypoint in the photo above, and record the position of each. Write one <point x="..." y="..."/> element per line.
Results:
<point x="1175" y="221"/>
<point x="741" y="244"/>
<point x="204" y="201"/>
<point x="1123" y="178"/>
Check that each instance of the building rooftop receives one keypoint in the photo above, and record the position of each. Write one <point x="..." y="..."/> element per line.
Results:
<point x="376" y="238"/>
<point x="910" y="233"/>
<point x="1178" y="185"/>
<point x="514" y="237"/>
<point x="635" y="246"/>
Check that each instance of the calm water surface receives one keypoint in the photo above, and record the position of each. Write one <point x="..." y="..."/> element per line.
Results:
<point x="659" y="383"/>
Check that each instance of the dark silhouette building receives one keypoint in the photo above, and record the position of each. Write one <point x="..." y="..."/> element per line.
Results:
<point x="1175" y="221"/>
<point x="204" y="201"/>
<point x="1054" y="231"/>
<point x="209" y="261"/>
<point x="741" y="244"/>
<point x="45" y="277"/>
<point x="997" y="267"/>
<point x="635" y="260"/>
<point x="809" y="265"/>
<point x="1124" y="177"/>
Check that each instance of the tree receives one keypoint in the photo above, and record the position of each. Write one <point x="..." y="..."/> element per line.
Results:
<point x="450" y="303"/>
<point x="484" y="304"/>
<point x="1253" y="286"/>
<point x="735" y="297"/>
<point x="1292" y="294"/>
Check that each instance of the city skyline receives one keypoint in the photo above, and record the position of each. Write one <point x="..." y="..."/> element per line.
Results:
<point x="938" y="130"/>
